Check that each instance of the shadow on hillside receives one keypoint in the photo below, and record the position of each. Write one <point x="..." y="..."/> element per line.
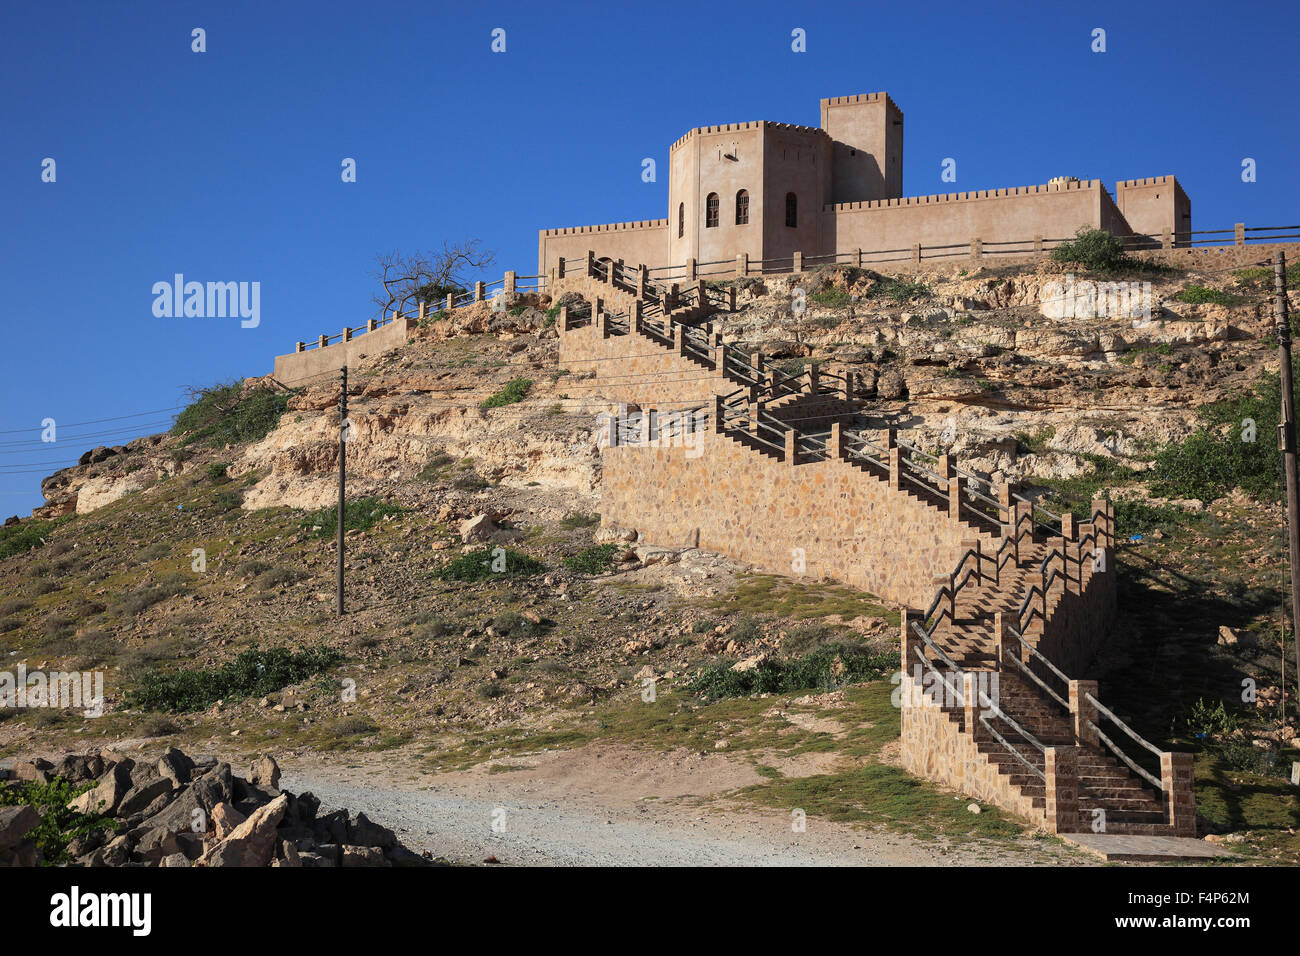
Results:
<point x="1164" y="655"/>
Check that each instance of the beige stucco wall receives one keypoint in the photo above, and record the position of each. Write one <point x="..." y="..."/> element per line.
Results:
<point x="1154" y="204"/>
<point x="291" y="369"/>
<point x="1053" y="212"/>
<point x="641" y="243"/>
<point x="867" y="152"/>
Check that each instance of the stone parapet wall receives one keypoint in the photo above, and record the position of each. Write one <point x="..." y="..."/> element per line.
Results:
<point x="841" y="523"/>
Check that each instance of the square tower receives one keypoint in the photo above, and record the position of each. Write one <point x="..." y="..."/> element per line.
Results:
<point x="867" y="152"/>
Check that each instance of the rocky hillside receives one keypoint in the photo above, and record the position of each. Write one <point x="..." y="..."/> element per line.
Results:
<point x="195" y="570"/>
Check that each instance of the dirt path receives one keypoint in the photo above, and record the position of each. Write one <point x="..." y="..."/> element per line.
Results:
<point x="602" y="805"/>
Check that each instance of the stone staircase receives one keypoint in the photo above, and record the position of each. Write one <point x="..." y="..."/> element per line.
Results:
<point x="987" y="706"/>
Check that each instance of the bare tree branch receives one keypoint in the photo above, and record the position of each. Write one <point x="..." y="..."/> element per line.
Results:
<point x="406" y="279"/>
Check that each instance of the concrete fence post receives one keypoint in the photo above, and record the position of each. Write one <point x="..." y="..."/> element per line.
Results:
<point x="562" y="320"/>
<point x="591" y="263"/>
<point x="1083" y="712"/>
<point x="323" y="342"/>
<point x="671" y="304"/>
<point x="956" y="488"/>
<point x="373" y="324"/>
<point x="642" y="277"/>
<point x="742" y="265"/>
<point x="1004" y="643"/>
<point x="973" y="544"/>
<point x="1176" y="782"/>
<point x="1166" y="239"/>
<point x="451" y="303"/>
<point x="835" y="443"/>
<point x="1038" y="245"/>
<point x="347" y="335"/>
<point x="895" y="466"/>
<point x="719" y="354"/>
<point x="1061" y="767"/>
<point x="791" y="451"/>
<point x="810" y="377"/>
<point x="970" y="702"/>
<point x="717" y="414"/>
<point x="301" y="347"/>
<point x="559" y="268"/>
<point x="635" y="321"/>
<point x="690" y="270"/>
<point x="480" y="291"/>
<point x="679" y="339"/>
<point x="1239" y="233"/>
<point x="916" y="254"/>
<point x="798" y="262"/>
<point x="731" y="299"/>
<point x="858" y="258"/>
<point x="424" y="311"/>
<point x="976" y="249"/>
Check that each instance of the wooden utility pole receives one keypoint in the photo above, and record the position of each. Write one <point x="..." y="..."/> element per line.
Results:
<point x="1286" y="441"/>
<point x="343" y="477"/>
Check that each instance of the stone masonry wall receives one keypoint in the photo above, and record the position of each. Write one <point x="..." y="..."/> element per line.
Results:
<point x="726" y="497"/>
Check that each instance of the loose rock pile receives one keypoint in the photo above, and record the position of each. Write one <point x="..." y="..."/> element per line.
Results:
<point x="193" y="811"/>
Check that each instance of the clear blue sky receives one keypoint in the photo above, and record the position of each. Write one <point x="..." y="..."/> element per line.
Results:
<point x="225" y="165"/>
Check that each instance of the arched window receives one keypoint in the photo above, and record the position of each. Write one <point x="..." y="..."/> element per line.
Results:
<point x="711" y="211"/>
<point x="681" y="219"/>
<point x="791" y="210"/>
<point x="742" y="208"/>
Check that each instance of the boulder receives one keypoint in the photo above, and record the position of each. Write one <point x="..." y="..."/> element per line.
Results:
<point x="479" y="528"/>
<point x="175" y="766"/>
<point x="175" y="859"/>
<point x="363" y="856"/>
<point x="143" y="795"/>
<point x="107" y="794"/>
<point x="157" y="844"/>
<point x="265" y="773"/>
<point x="15" y="824"/>
<point x="363" y="831"/>
<point x="253" y="842"/>
<point x="203" y="794"/>
<point x="80" y="768"/>
<point x="225" y="820"/>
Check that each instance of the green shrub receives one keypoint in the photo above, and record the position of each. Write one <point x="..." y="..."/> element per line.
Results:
<point x="362" y="514"/>
<point x="230" y="414"/>
<point x="832" y="665"/>
<point x="516" y="390"/>
<point x="139" y="600"/>
<point x="253" y="673"/>
<point x="1204" y="720"/>
<point x="279" y="577"/>
<point x="26" y="535"/>
<point x="217" y="470"/>
<point x="593" y="560"/>
<point x="478" y="565"/>
<point x="1216" y="458"/>
<point x="1094" y="249"/>
<point x="832" y="298"/>
<point x="435" y="469"/>
<point x="577" y="519"/>
<point x="1199" y="294"/>
<point x="59" y="824"/>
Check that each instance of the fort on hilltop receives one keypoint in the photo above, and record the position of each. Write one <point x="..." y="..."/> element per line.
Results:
<point x="767" y="190"/>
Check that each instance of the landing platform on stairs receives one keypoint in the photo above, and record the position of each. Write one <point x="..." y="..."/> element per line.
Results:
<point x="1132" y="848"/>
